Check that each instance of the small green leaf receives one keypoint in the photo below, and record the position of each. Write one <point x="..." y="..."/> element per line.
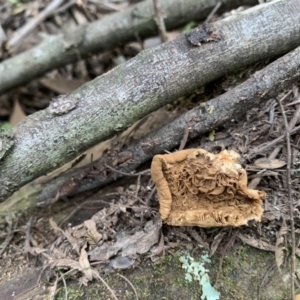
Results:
<point x="189" y="26"/>
<point x="5" y="125"/>
<point x="211" y="136"/>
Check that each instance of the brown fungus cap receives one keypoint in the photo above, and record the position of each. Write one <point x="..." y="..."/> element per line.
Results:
<point x="198" y="188"/>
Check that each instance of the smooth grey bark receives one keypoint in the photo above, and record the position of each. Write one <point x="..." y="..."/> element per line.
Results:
<point x="254" y="92"/>
<point x="109" y="32"/>
<point x="112" y="102"/>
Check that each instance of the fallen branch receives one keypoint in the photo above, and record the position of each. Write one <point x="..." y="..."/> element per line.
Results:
<point x="114" y="101"/>
<point x="254" y="92"/>
<point x="107" y="33"/>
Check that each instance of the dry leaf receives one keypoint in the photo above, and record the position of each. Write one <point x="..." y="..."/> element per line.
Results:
<point x="93" y="236"/>
<point x="267" y="163"/>
<point x="55" y="227"/>
<point x="17" y="114"/>
<point x="297" y="297"/>
<point x="74" y="242"/>
<point x="128" y="245"/>
<point x="214" y="246"/>
<point x="85" y="265"/>
<point x="62" y="86"/>
<point x="65" y="262"/>
<point x="256" y="243"/>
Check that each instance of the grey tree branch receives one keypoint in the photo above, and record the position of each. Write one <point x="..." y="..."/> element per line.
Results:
<point x="109" y="32"/>
<point x="254" y="92"/>
<point x="114" y="101"/>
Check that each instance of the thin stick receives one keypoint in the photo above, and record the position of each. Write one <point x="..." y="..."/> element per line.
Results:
<point x="27" y="240"/>
<point x="255" y="182"/>
<point x="104" y="282"/>
<point x="150" y="196"/>
<point x="263" y="281"/>
<point x="145" y="172"/>
<point x="136" y="294"/>
<point x="233" y="236"/>
<point x="292" y="124"/>
<point x="12" y="224"/>
<point x="213" y="11"/>
<point x="78" y="208"/>
<point x="65" y="285"/>
<point x="268" y="145"/>
<point x="160" y="21"/>
<point x="290" y="199"/>
<point x="28" y="27"/>
<point x="184" y="138"/>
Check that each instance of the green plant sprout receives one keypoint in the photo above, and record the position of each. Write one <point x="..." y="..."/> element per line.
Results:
<point x="195" y="270"/>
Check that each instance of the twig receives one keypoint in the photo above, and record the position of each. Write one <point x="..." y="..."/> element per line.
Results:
<point x="65" y="285"/>
<point x="27" y="240"/>
<point x="138" y="185"/>
<point x="2" y="36"/>
<point x="224" y="252"/>
<point x="53" y="290"/>
<point x="9" y="235"/>
<point x="213" y="11"/>
<point x="150" y="196"/>
<point x="104" y="282"/>
<point x="290" y="199"/>
<point x="275" y="152"/>
<point x="255" y="182"/>
<point x="28" y="27"/>
<point x="65" y="6"/>
<point x="145" y="172"/>
<point x="184" y="138"/>
<point x="160" y="21"/>
<point x="295" y="117"/>
<point x="263" y="281"/>
<point x="268" y="145"/>
<point x="136" y="294"/>
<point x="79" y="208"/>
<point x="132" y="195"/>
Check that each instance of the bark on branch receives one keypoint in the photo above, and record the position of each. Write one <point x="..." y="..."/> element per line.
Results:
<point x="114" y="101"/>
<point x="109" y="32"/>
<point x="254" y="92"/>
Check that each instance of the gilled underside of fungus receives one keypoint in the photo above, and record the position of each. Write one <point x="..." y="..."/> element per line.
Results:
<point x="198" y="188"/>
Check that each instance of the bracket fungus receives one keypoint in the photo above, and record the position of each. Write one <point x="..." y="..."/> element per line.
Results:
<point x="198" y="188"/>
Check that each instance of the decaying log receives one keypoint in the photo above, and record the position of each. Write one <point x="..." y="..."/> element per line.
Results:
<point x="107" y="33"/>
<point x="114" y="101"/>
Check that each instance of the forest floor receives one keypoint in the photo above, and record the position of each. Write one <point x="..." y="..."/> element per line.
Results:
<point x="54" y="251"/>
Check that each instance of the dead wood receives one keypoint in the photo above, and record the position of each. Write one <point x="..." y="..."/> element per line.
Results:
<point x="114" y="101"/>
<point x="255" y="91"/>
<point x="107" y="33"/>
